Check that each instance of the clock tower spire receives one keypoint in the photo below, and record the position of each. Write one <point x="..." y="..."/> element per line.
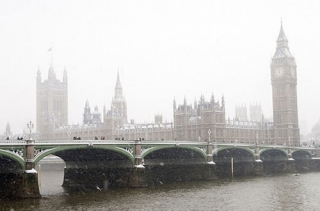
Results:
<point x="284" y="94"/>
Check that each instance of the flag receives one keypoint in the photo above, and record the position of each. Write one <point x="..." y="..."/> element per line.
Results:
<point x="50" y="49"/>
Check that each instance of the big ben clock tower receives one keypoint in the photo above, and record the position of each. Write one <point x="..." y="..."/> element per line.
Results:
<point x="284" y="94"/>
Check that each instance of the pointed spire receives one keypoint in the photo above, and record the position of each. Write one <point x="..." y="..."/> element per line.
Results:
<point x="212" y="100"/>
<point x="282" y="36"/>
<point x="87" y="104"/>
<point x="39" y="74"/>
<point x="65" y="76"/>
<point x="282" y="41"/>
<point x="118" y="77"/>
<point x="118" y="88"/>
<point x="222" y="101"/>
<point x="282" y="50"/>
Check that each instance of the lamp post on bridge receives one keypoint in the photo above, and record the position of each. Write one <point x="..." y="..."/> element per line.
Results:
<point x="30" y="149"/>
<point x="209" y="150"/>
<point x="30" y="127"/>
<point x="274" y="135"/>
<point x="257" y="149"/>
<point x="289" y="143"/>
<point x="289" y="138"/>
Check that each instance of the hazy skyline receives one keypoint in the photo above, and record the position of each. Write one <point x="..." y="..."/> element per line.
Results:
<point x="164" y="50"/>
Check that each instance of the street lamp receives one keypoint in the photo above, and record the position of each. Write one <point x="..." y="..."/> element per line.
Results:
<point x="289" y="139"/>
<point x="30" y="127"/>
<point x="209" y="132"/>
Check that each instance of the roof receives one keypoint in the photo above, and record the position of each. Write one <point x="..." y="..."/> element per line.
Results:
<point x="282" y="36"/>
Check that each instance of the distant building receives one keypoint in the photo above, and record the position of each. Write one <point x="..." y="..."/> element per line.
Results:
<point x="284" y="93"/>
<point x="87" y="116"/>
<point x="91" y="118"/>
<point x="8" y="132"/>
<point x="51" y="103"/>
<point x="241" y="113"/>
<point x="256" y="113"/>
<point x="96" y="116"/>
<point x="204" y="120"/>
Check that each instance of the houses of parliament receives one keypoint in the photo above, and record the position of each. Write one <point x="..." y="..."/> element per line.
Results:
<point x="204" y="119"/>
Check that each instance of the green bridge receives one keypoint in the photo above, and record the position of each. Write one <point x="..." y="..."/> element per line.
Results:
<point x="97" y="163"/>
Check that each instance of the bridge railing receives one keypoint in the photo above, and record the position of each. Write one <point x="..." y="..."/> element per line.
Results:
<point x="144" y="142"/>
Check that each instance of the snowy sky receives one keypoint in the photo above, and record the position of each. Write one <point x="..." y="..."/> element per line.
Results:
<point x="163" y="50"/>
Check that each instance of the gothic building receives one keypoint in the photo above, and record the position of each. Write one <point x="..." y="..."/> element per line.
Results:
<point x="8" y="132"/>
<point x="52" y="102"/>
<point x="241" y="113"/>
<point x="193" y="123"/>
<point x="91" y="118"/>
<point x="87" y="116"/>
<point x="284" y="93"/>
<point x="201" y="121"/>
<point x="256" y="113"/>
<point x="116" y="117"/>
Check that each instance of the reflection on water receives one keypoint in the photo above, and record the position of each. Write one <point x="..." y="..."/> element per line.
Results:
<point x="282" y="192"/>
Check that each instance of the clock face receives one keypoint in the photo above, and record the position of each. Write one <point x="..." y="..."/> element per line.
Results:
<point x="293" y="72"/>
<point x="278" y="72"/>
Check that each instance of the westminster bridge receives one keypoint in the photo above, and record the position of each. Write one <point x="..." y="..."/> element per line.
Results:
<point x="122" y="163"/>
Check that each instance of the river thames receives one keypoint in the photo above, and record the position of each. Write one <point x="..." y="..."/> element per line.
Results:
<point x="277" y="192"/>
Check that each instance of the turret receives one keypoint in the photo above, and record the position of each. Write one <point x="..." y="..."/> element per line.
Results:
<point x="212" y="100"/>
<point x="185" y="104"/>
<point x="65" y="76"/>
<point x="222" y="102"/>
<point x="118" y="88"/>
<point x="38" y="76"/>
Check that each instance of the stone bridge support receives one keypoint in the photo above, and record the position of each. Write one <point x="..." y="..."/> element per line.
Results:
<point x="258" y="164"/>
<point x="209" y="153"/>
<point x="291" y="167"/>
<point x="30" y="187"/>
<point x="22" y="183"/>
<point x="91" y="176"/>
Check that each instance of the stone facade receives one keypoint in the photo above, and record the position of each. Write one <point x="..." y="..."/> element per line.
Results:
<point x="284" y="93"/>
<point x="201" y="121"/>
<point x="52" y="103"/>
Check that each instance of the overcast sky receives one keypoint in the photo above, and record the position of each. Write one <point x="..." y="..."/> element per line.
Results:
<point x="163" y="50"/>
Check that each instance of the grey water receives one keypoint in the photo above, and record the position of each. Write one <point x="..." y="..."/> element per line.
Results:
<point x="280" y="192"/>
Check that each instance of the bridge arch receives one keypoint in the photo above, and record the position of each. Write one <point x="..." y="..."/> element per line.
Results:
<point x="174" y="155"/>
<point x="301" y="154"/>
<point x="275" y="160"/>
<point x="264" y="153"/>
<point x="58" y="150"/>
<point x="230" y="151"/>
<point x="4" y="154"/>
<point x="242" y="160"/>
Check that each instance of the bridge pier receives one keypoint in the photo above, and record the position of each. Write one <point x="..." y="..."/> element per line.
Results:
<point x="21" y="183"/>
<point x="137" y="153"/>
<point x="291" y="167"/>
<point x="103" y="178"/>
<point x="258" y="167"/>
<point x="30" y="186"/>
<point x="258" y="164"/>
<point x="209" y="153"/>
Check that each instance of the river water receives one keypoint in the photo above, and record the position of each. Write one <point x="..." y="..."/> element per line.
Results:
<point x="280" y="192"/>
